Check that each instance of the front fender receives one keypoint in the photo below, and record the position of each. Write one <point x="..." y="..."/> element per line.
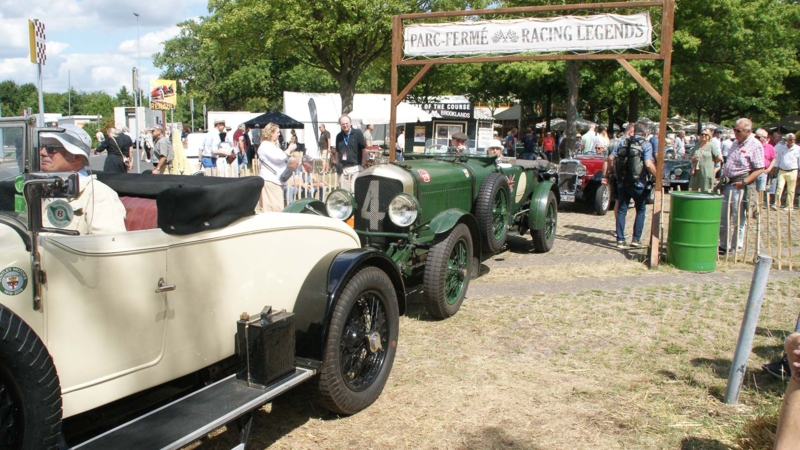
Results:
<point x="324" y="285"/>
<point x="538" y="211"/>
<point x="307" y="205"/>
<point x="446" y="220"/>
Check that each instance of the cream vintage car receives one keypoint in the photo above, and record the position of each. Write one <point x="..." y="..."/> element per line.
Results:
<point x="89" y="320"/>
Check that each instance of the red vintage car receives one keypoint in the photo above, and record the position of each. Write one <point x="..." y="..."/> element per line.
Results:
<point x="580" y="180"/>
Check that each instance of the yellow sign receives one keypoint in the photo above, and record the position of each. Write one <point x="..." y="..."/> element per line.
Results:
<point x="163" y="95"/>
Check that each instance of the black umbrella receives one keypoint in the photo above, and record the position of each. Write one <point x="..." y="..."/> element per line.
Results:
<point x="278" y="118"/>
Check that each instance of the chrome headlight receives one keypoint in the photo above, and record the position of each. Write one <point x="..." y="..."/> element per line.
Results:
<point x="340" y="204"/>
<point x="678" y="171"/>
<point x="580" y="170"/>
<point x="552" y="169"/>
<point x="672" y="177"/>
<point x="403" y="210"/>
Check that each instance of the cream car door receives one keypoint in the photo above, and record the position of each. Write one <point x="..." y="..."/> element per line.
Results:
<point x="104" y="319"/>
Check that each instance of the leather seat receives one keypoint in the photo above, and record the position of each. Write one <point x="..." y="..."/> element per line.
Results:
<point x="141" y="213"/>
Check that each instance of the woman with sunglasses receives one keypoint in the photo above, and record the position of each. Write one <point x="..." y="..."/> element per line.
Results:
<point x="704" y="155"/>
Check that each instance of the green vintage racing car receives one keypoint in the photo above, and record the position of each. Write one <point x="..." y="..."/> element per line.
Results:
<point x="438" y="211"/>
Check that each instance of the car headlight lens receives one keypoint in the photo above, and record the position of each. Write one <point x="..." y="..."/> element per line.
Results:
<point x="403" y="210"/>
<point x="340" y="204"/>
<point x="672" y="177"/>
<point x="678" y="172"/>
<point x="552" y="169"/>
<point x="580" y="170"/>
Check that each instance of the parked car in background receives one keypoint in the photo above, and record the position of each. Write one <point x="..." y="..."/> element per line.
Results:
<point x="677" y="171"/>
<point x="580" y="180"/>
<point x="437" y="212"/>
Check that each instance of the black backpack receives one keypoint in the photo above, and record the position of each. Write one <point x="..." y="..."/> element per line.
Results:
<point x="630" y="161"/>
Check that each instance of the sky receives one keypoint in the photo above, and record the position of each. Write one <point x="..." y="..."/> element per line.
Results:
<point x="92" y="43"/>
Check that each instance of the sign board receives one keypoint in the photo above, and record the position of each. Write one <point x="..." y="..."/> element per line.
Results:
<point x="37" y="42"/>
<point x="163" y="95"/>
<point x="463" y="111"/>
<point x="529" y="35"/>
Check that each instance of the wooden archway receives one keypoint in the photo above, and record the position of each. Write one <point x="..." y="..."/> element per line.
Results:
<point x="665" y="54"/>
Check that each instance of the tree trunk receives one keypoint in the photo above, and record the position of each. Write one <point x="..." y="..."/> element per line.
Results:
<point x="699" y="120"/>
<point x="633" y="105"/>
<point x="347" y="90"/>
<point x="548" y="108"/>
<point x="573" y="84"/>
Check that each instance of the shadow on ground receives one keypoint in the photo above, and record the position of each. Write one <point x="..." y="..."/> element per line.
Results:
<point x="697" y="443"/>
<point x="494" y="437"/>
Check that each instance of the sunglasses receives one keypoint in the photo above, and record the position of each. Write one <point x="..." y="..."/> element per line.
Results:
<point x="52" y="148"/>
<point x="705" y="134"/>
<point x="739" y="131"/>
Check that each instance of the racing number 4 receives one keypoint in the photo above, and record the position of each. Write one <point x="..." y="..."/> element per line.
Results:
<point x="372" y="210"/>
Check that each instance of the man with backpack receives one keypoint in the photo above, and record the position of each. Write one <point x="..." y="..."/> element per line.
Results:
<point x="633" y="160"/>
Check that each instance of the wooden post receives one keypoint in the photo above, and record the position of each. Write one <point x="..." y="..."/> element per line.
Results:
<point x="780" y="250"/>
<point x="739" y="205"/>
<point x="728" y="227"/>
<point x="397" y="29"/>
<point x="789" y="233"/>
<point x="769" y="230"/>
<point x="667" y="24"/>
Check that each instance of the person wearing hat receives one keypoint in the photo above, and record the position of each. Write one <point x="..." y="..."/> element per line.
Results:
<point x="216" y="144"/>
<point x="457" y="143"/>
<point x="162" y="150"/>
<point x="496" y="149"/>
<point x="97" y="208"/>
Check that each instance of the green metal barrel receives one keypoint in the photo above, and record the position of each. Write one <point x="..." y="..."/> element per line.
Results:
<point x="694" y="231"/>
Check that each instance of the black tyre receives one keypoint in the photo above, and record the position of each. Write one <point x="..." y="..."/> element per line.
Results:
<point x="491" y="210"/>
<point x="543" y="239"/>
<point x="361" y="344"/>
<point x="447" y="272"/>
<point x="602" y="199"/>
<point x="30" y="394"/>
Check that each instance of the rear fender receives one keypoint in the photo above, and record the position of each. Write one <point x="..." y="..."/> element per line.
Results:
<point x="322" y="288"/>
<point x="538" y="210"/>
<point x="447" y="220"/>
<point x="308" y="205"/>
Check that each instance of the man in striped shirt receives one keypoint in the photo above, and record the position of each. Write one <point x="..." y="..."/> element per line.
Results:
<point x="743" y="164"/>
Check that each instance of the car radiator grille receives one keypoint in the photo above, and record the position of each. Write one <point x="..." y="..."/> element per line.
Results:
<point x="567" y="182"/>
<point x="567" y="167"/>
<point x="373" y="195"/>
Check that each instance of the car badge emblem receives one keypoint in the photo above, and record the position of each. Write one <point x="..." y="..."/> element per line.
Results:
<point x="424" y="175"/>
<point x="13" y="280"/>
<point x="60" y="214"/>
<point x="466" y="173"/>
<point x="510" y="181"/>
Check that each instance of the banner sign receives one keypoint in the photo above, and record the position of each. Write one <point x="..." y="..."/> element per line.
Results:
<point x="565" y="33"/>
<point x="449" y="110"/>
<point x="38" y="43"/>
<point x="162" y="95"/>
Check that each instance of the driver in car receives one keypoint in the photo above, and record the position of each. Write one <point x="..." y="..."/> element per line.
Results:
<point x="457" y="143"/>
<point x="97" y="208"/>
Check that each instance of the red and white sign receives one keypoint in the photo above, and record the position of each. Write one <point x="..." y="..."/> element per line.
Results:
<point x="424" y="175"/>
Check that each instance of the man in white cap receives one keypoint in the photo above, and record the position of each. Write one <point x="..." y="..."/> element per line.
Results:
<point x="217" y="143"/>
<point x="496" y="148"/>
<point x="97" y="209"/>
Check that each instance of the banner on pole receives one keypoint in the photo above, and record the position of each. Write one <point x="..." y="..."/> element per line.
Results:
<point x="530" y="35"/>
<point x="37" y="42"/>
<point x="162" y="95"/>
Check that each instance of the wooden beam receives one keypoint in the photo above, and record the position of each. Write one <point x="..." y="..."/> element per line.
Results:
<point x="526" y="9"/>
<point x="667" y="26"/>
<point x="515" y="58"/>
<point x="642" y="81"/>
<point x="397" y="54"/>
<point x="411" y="84"/>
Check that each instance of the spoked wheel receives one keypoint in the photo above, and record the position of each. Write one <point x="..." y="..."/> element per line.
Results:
<point x="447" y="272"/>
<point x="491" y="210"/>
<point x="601" y="200"/>
<point x="361" y="343"/>
<point x="543" y="239"/>
<point x="30" y="394"/>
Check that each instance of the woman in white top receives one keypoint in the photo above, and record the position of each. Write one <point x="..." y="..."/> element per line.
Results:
<point x="273" y="163"/>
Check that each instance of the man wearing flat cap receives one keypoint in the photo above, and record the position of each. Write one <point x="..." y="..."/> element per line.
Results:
<point x="163" y="152"/>
<point x="458" y="143"/>
<point x="97" y="208"/>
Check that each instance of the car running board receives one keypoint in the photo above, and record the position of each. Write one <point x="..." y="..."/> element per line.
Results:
<point x="189" y="418"/>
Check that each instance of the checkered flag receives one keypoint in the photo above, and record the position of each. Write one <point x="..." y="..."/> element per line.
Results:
<point x="38" y="43"/>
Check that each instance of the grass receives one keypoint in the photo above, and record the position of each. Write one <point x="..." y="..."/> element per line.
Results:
<point x="640" y="368"/>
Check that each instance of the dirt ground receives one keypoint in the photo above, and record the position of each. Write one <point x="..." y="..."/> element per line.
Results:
<point x="579" y="348"/>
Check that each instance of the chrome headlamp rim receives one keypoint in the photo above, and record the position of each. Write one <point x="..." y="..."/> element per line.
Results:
<point x="678" y="171"/>
<point x="404" y="196"/>
<point x="580" y="170"/>
<point x="344" y="196"/>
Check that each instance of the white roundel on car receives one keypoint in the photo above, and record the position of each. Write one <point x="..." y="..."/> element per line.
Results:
<point x="521" y="184"/>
